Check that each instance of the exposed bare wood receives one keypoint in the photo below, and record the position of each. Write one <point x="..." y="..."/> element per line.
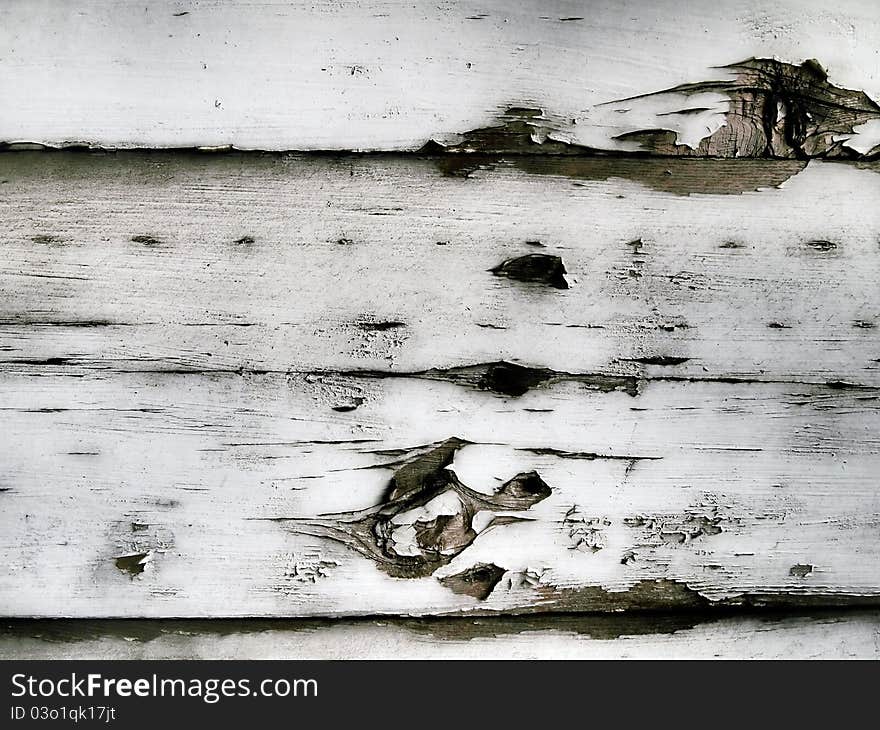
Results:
<point x="853" y="634"/>
<point x="764" y="108"/>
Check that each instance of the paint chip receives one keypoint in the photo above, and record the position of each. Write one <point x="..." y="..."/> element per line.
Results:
<point x="535" y="268"/>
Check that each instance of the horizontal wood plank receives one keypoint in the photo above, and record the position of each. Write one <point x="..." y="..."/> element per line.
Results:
<point x="175" y="262"/>
<point x="728" y="492"/>
<point x="386" y="75"/>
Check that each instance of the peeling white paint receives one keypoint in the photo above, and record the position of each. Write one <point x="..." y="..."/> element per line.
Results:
<point x="276" y="75"/>
<point x="865" y="137"/>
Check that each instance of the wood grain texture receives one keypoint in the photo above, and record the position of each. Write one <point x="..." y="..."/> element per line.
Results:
<point x="218" y="374"/>
<point x="385" y="75"/>
<point x="849" y="635"/>
<point x="169" y="262"/>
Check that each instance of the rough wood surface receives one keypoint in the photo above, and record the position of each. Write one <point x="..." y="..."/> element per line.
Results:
<point x="853" y="634"/>
<point x="281" y="385"/>
<point x="306" y="263"/>
<point x="390" y="75"/>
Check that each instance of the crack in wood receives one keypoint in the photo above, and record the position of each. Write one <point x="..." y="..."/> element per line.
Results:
<point x="583" y="455"/>
<point x="602" y="626"/>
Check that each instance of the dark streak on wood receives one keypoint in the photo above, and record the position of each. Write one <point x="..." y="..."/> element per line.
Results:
<point x="146" y="240"/>
<point x="29" y="322"/>
<point x="48" y="240"/>
<point x="605" y="626"/>
<point x="583" y="455"/>
<point x="47" y="361"/>
<point x="679" y="176"/>
<point x="661" y="360"/>
<point x="512" y="379"/>
<point x="822" y="245"/>
<point x="503" y="378"/>
<point x="369" y="326"/>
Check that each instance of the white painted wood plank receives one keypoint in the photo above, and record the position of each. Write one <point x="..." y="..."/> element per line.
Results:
<point x="381" y="75"/>
<point x="725" y="492"/>
<point x="293" y="264"/>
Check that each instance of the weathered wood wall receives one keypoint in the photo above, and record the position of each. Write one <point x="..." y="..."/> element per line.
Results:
<point x="198" y="348"/>
<point x="502" y="374"/>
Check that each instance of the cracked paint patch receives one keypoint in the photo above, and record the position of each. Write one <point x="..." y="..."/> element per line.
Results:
<point x="428" y="517"/>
